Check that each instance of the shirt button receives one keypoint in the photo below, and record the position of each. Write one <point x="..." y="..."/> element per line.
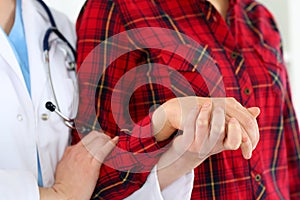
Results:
<point x="45" y="117"/>
<point x="234" y="55"/>
<point x="247" y="91"/>
<point x="20" y="117"/>
<point x="257" y="177"/>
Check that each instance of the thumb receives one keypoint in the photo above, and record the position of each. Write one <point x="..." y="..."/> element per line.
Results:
<point x="103" y="151"/>
<point x="101" y="146"/>
<point x="255" y="111"/>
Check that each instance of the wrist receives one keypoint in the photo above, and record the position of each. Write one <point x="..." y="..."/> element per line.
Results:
<point x="171" y="167"/>
<point x="53" y="193"/>
<point x="49" y="194"/>
<point x="186" y="159"/>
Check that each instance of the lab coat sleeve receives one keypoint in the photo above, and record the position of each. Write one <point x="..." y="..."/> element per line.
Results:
<point x="16" y="184"/>
<point x="180" y="189"/>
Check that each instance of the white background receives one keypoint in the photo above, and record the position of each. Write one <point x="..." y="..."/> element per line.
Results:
<point x="286" y="13"/>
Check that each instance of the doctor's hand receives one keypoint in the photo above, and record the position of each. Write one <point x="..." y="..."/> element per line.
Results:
<point x="205" y="133"/>
<point x="173" y="114"/>
<point x="78" y="171"/>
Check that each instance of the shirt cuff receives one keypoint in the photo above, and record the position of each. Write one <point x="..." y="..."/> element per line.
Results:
<point x="178" y="190"/>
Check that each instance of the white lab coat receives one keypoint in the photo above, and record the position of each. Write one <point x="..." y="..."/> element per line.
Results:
<point x="28" y="128"/>
<point x="23" y="130"/>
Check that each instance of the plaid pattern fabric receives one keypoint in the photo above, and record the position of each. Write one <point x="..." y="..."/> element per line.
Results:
<point x="245" y="48"/>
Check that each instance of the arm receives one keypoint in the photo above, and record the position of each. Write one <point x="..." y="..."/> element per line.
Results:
<point x="114" y="182"/>
<point x="203" y="135"/>
<point x="117" y="181"/>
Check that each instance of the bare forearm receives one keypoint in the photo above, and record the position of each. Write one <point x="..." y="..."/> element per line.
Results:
<point x="162" y="128"/>
<point x="171" y="167"/>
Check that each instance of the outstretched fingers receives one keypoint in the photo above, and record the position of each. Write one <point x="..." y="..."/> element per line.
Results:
<point x="246" y="118"/>
<point x="237" y="137"/>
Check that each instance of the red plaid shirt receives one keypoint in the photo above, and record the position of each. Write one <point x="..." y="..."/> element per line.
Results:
<point x="246" y="49"/>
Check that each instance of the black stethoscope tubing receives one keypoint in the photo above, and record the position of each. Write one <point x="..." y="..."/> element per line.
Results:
<point x="53" y="29"/>
<point x="46" y="48"/>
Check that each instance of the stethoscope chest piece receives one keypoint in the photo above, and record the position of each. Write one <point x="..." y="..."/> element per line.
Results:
<point x="52" y="108"/>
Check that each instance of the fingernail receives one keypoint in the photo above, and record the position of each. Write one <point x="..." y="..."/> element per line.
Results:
<point x="249" y="155"/>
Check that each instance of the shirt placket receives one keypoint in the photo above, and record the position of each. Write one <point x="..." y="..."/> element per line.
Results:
<point x="226" y="41"/>
<point x="243" y="82"/>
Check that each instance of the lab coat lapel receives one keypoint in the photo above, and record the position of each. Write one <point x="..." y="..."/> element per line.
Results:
<point x="7" y="53"/>
<point x="35" y="27"/>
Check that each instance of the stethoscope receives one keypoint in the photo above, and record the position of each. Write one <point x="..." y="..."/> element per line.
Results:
<point x="71" y="66"/>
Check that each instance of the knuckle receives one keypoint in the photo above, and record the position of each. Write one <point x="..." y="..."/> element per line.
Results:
<point x="202" y="122"/>
<point x="217" y="129"/>
<point x="231" y="100"/>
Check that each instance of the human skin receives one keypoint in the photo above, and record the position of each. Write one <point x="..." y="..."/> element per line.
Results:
<point x="209" y="126"/>
<point x="173" y="113"/>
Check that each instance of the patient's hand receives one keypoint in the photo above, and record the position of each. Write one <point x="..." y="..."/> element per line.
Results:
<point x="204" y="133"/>
<point x="173" y="114"/>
